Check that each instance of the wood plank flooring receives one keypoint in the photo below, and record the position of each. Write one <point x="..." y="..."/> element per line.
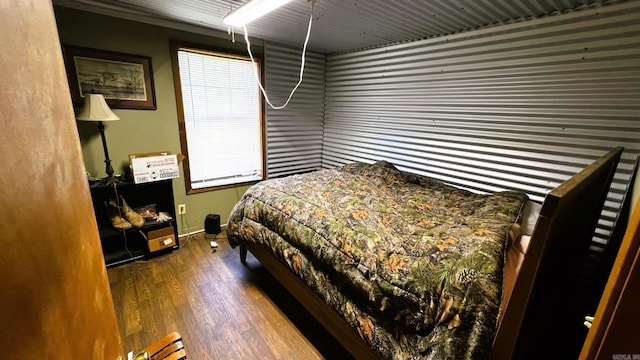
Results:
<point x="222" y="308"/>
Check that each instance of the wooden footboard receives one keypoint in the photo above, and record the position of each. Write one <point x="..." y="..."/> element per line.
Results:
<point x="322" y="312"/>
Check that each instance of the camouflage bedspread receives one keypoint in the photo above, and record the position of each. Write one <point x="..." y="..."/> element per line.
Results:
<point x="413" y="265"/>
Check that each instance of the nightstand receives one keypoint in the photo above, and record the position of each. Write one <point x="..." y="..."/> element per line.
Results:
<point x="153" y="238"/>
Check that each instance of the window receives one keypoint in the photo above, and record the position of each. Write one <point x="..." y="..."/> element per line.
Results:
<point x="220" y="117"/>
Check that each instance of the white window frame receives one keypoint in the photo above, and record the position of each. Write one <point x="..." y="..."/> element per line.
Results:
<point x="193" y="175"/>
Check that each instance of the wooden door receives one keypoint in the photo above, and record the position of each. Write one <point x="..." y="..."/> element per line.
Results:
<point x="55" y="300"/>
<point x="616" y="324"/>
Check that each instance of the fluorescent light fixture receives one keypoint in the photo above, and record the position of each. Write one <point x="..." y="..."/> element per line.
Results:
<point x="251" y="10"/>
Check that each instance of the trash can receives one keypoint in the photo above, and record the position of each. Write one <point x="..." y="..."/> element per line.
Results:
<point x="212" y="224"/>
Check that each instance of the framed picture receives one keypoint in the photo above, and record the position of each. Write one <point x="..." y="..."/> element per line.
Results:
<point x="125" y="80"/>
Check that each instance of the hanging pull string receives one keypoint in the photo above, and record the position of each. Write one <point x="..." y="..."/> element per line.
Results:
<point x="255" y="69"/>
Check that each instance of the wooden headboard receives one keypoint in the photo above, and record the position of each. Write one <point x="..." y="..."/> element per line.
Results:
<point x="539" y="321"/>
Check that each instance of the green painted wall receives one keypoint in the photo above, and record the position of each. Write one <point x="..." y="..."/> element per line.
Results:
<point x="141" y="131"/>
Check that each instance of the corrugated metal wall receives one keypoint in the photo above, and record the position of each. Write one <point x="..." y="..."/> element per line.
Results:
<point x="521" y="106"/>
<point x="294" y="134"/>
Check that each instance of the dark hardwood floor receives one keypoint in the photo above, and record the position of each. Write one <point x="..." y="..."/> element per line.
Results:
<point x="222" y="308"/>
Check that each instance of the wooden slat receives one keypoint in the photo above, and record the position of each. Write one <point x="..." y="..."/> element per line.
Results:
<point x="171" y="341"/>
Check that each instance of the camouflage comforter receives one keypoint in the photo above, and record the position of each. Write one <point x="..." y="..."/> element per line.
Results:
<point x="413" y="265"/>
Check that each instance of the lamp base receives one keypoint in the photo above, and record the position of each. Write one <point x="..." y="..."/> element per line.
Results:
<point x="107" y="161"/>
<point x="109" y="180"/>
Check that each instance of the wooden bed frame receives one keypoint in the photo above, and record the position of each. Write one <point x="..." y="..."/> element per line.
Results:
<point x="532" y="323"/>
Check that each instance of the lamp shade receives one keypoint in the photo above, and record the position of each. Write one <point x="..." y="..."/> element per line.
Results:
<point x="96" y="109"/>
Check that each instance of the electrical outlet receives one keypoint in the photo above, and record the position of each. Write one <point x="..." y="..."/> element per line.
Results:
<point x="182" y="209"/>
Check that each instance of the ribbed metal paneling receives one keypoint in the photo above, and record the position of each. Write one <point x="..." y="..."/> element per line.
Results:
<point x="340" y="25"/>
<point x="522" y="106"/>
<point x="294" y="134"/>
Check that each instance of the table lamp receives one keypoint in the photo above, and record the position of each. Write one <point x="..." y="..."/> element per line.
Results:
<point x="96" y="109"/>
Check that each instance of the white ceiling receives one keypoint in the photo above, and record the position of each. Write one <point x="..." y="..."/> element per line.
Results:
<point x="339" y="25"/>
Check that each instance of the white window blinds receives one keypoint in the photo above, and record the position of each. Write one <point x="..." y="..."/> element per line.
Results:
<point x="222" y="119"/>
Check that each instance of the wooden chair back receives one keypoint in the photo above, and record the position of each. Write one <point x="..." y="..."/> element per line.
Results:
<point x="169" y="347"/>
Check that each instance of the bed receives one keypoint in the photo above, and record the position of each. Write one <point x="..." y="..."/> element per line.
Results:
<point x="397" y="265"/>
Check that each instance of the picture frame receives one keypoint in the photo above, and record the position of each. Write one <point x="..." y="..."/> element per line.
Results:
<point x="125" y="80"/>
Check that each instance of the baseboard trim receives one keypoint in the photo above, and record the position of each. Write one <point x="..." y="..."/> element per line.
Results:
<point x="222" y="228"/>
